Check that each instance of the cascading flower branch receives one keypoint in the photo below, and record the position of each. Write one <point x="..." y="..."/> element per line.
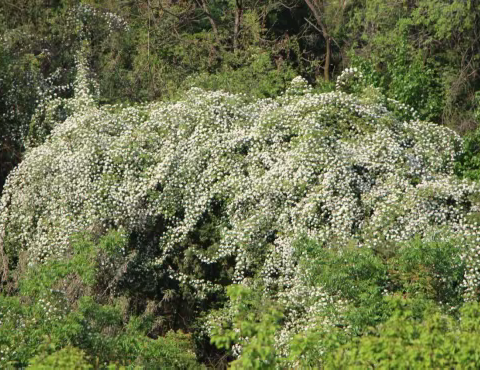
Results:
<point x="336" y="167"/>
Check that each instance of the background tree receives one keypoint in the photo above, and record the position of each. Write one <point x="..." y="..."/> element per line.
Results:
<point x="329" y="16"/>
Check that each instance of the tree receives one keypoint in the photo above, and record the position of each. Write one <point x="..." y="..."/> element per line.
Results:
<point x="329" y="16"/>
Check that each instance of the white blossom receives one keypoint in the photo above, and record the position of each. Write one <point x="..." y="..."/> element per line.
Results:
<point x="335" y="167"/>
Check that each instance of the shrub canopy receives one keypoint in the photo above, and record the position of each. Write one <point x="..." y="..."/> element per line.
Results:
<point x="215" y="188"/>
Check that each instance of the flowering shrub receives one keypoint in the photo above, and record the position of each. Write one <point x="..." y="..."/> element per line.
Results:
<point x="215" y="189"/>
<point x="36" y="60"/>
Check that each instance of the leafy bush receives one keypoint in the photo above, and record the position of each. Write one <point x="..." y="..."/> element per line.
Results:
<point x="414" y="281"/>
<point x="252" y="329"/>
<point x="407" y="79"/>
<point x="43" y="328"/>
<point x="433" y="270"/>
<point x="55" y="317"/>
<point x="356" y="275"/>
<point x="258" y="77"/>
<point x="468" y="164"/>
<point x="66" y="358"/>
<point x="404" y="341"/>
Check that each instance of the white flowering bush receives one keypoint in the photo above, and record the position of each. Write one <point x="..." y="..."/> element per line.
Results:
<point x="215" y="189"/>
<point x="37" y="61"/>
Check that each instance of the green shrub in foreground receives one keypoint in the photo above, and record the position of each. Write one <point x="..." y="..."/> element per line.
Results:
<point x="64" y="316"/>
<point x="416" y="281"/>
<point x="403" y="342"/>
<point x="66" y="358"/>
<point x="100" y="331"/>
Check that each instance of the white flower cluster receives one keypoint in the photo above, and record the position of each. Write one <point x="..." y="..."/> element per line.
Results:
<point x="52" y="106"/>
<point x="336" y="167"/>
<point x="347" y="76"/>
<point x="53" y="309"/>
<point x="298" y="86"/>
<point x="83" y="14"/>
<point x="307" y="308"/>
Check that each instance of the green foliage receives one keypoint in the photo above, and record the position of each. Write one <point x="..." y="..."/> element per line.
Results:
<point x="357" y="275"/>
<point x="66" y="358"/>
<point x="407" y="79"/>
<point x="417" y="52"/>
<point x="258" y="77"/>
<point x="406" y="341"/>
<point x="468" y="164"/>
<point x="58" y="317"/>
<point x="420" y="269"/>
<point x="433" y="270"/>
<point x="90" y="267"/>
<point x="146" y="64"/>
<point x="401" y="298"/>
<point x="253" y="328"/>
<point x="100" y="331"/>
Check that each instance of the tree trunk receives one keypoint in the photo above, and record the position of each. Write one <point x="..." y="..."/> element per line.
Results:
<point x="238" y="22"/>
<point x="316" y="9"/>
<point x="326" y="69"/>
<point x="203" y="5"/>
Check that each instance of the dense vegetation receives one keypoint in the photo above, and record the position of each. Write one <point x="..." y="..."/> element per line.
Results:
<point x="175" y="195"/>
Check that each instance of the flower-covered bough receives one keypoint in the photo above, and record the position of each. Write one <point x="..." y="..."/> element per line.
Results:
<point x="215" y="188"/>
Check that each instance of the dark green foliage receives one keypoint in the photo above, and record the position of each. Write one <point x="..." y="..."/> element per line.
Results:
<point x="19" y="80"/>
<point x="407" y="79"/>
<point x="433" y="270"/>
<point x="258" y="76"/>
<point x="351" y="273"/>
<point x="64" y="313"/>
<point x="423" y="53"/>
<point x="468" y="165"/>
<point x="256" y="319"/>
